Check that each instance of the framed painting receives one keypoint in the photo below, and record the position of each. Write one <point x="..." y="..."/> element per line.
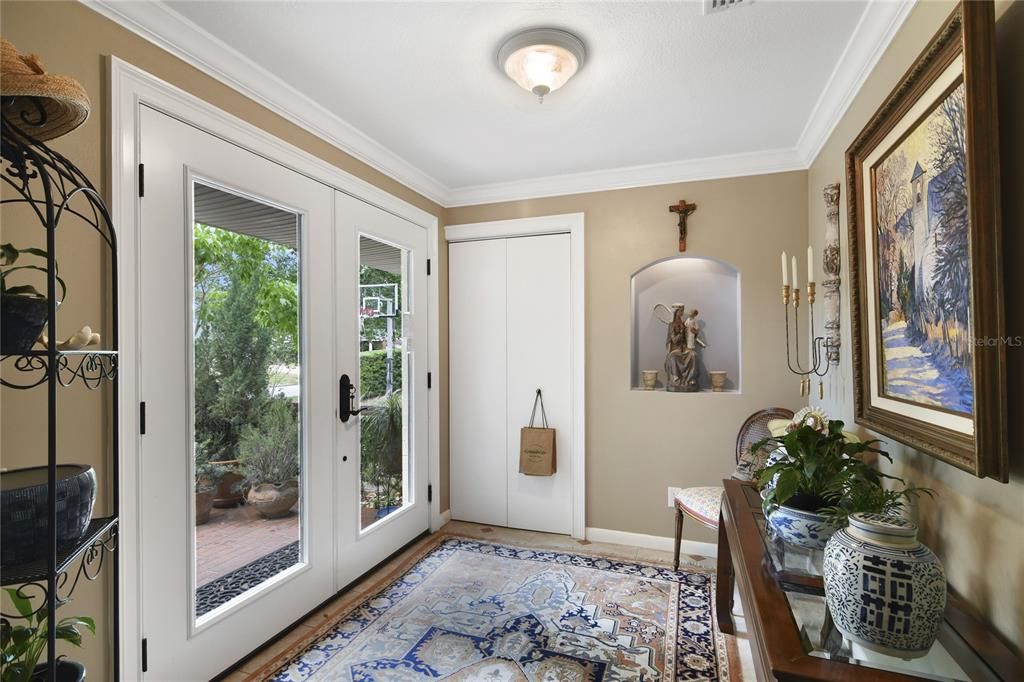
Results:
<point x="926" y="283"/>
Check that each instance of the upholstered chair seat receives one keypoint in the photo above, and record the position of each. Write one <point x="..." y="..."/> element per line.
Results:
<point x="703" y="503"/>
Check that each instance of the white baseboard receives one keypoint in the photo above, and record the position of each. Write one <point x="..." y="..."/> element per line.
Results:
<point x="446" y="516"/>
<point x="665" y="544"/>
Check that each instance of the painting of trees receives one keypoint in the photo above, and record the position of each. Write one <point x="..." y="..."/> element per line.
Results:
<point x="892" y="201"/>
<point x="949" y="188"/>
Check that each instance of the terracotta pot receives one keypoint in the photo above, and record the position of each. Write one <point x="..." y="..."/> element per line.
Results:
<point x="227" y="494"/>
<point x="204" y="504"/>
<point x="274" y="500"/>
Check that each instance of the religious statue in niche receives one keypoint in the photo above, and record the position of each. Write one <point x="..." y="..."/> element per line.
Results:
<point x="681" y="362"/>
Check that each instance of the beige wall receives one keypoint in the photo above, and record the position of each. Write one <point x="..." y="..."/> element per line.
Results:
<point x="73" y="40"/>
<point x="639" y="443"/>
<point x="975" y="526"/>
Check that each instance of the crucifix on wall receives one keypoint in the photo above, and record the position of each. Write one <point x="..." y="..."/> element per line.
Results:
<point x="684" y="210"/>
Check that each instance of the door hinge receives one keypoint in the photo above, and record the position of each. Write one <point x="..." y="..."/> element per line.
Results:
<point x="142" y="418"/>
<point x="145" y="655"/>
<point x="430" y="493"/>
<point x="142" y="179"/>
<point x="428" y="266"/>
<point x="430" y="380"/>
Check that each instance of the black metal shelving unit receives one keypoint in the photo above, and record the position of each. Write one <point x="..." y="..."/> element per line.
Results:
<point x="62" y="198"/>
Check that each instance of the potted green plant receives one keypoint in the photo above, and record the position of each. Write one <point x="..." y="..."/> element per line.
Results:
<point x="23" y="310"/>
<point x="22" y="645"/>
<point x="208" y="478"/>
<point x="816" y="478"/>
<point x="382" y="450"/>
<point x="269" y="456"/>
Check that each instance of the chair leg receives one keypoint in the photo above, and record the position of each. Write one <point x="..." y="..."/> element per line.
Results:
<point x="679" y="539"/>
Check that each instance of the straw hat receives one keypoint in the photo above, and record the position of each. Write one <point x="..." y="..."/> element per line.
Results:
<point x="25" y="86"/>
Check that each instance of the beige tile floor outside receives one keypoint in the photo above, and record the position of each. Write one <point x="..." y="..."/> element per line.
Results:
<point x="510" y="536"/>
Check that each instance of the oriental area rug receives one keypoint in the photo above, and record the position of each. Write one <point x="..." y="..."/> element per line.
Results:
<point x="469" y="610"/>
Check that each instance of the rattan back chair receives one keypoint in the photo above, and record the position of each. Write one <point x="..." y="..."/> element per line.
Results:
<point x="702" y="503"/>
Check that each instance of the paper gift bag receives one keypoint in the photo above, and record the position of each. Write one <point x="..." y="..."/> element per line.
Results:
<point x="537" y="445"/>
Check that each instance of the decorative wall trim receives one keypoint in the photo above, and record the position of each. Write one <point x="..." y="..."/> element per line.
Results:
<point x="161" y="25"/>
<point x="831" y="265"/>
<point x="710" y="168"/>
<point x="869" y="41"/>
<point x="664" y="544"/>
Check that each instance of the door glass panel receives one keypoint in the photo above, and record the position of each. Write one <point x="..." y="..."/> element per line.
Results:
<point x="383" y="366"/>
<point x="246" y="350"/>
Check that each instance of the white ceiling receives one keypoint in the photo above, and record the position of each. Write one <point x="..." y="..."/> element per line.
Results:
<point x="666" y="92"/>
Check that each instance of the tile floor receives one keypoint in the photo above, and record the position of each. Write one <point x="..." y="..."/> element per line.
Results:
<point x="234" y="537"/>
<point x="500" y="535"/>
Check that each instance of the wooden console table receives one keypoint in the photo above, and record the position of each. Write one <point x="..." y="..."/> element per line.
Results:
<point x="791" y="633"/>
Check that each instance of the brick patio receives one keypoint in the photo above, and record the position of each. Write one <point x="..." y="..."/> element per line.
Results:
<point x="235" y="537"/>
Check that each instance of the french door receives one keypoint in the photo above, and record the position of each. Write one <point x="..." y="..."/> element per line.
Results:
<point x="259" y="288"/>
<point x="382" y="346"/>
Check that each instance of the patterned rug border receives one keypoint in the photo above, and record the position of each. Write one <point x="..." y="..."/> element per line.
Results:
<point x="371" y="586"/>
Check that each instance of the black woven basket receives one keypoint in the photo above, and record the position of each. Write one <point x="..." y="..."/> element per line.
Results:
<point x="23" y="514"/>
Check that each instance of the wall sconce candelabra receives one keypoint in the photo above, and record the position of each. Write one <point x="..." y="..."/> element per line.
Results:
<point x="820" y="347"/>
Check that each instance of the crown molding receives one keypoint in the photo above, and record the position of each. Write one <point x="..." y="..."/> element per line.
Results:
<point x="710" y="168"/>
<point x="868" y="42"/>
<point x="159" y="24"/>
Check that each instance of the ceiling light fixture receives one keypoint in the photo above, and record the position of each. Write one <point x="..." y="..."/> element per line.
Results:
<point x="541" y="60"/>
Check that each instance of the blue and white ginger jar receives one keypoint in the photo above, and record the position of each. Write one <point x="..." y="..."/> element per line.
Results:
<point x="885" y="590"/>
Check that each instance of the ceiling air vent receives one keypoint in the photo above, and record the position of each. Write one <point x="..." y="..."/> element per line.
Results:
<point x="713" y="6"/>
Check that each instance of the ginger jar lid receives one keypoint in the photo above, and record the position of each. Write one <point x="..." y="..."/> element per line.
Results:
<point x="883" y="528"/>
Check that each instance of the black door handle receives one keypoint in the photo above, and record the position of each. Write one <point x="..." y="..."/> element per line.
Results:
<point x="346" y="398"/>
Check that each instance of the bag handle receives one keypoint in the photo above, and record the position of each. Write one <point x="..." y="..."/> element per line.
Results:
<point x="543" y="414"/>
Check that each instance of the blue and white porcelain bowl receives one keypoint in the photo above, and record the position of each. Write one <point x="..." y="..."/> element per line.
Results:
<point x="801" y="528"/>
<point x="885" y="590"/>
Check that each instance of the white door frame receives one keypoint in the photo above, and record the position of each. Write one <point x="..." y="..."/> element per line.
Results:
<point x="130" y="89"/>
<point x="571" y="224"/>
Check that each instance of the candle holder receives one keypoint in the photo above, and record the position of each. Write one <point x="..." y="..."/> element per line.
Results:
<point x="821" y="346"/>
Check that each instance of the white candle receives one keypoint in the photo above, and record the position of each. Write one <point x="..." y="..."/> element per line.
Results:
<point x="796" y="283"/>
<point x="785" y="277"/>
<point x="810" y="263"/>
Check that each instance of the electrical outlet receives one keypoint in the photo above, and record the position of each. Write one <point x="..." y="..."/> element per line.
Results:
<point x="672" y="492"/>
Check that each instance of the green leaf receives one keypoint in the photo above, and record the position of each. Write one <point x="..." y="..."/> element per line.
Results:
<point x="86" y="622"/>
<point x="786" y="485"/>
<point x="8" y="254"/>
<point x="69" y="633"/>
<point x="21" y="604"/>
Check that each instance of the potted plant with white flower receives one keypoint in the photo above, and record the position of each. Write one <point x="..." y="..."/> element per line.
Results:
<point x="816" y="477"/>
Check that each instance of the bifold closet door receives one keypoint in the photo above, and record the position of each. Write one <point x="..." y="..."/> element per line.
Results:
<point x="538" y="342"/>
<point x="510" y="334"/>
<point x="477" y="381"/>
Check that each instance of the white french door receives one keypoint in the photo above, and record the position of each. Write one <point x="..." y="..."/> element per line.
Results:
<point x="382" y="295"/>
<point x="259" y="288"/>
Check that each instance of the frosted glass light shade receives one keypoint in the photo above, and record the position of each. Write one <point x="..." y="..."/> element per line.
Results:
<point x="541" y="60"/>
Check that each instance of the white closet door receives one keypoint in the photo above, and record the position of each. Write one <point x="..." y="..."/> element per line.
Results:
<point x="539" y="339"/>
<point x="477" y="381"/>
